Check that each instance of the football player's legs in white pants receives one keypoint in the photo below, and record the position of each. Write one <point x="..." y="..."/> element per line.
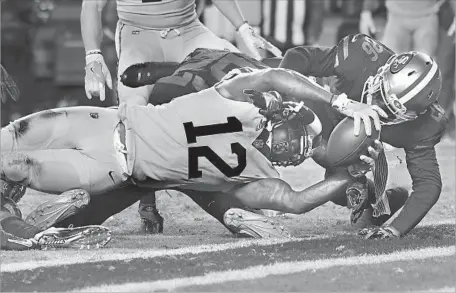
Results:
<point x="56" y="150"/>
<point x="137" y="45"/>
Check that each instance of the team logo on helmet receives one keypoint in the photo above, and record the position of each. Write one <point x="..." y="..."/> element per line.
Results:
<point x="400" y="62"/>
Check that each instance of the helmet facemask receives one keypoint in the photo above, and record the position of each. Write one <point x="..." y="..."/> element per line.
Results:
<point x="291" y="140"/>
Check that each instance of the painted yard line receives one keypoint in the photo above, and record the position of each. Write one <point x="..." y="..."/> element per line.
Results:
<point x="262" y="271"/>
<point x="439" y="223"/>
<point x="445" y="289"/>
<point x="98" y="256"/>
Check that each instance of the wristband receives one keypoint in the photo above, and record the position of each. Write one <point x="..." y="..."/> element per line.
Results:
<point x="340" y="101"/>
<point x="93" y="52"/>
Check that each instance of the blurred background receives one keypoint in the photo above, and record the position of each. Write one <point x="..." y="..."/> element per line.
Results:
<point x="42" y="48"/>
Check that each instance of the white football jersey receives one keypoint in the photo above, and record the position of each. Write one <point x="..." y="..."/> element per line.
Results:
<point x="200" y="141"/>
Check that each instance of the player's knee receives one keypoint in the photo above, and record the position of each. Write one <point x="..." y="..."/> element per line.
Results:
<point x="19" y="168"/>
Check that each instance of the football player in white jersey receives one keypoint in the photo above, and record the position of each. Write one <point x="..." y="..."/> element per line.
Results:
<point x="154" y="30"/>
<point x="234" y="140"/>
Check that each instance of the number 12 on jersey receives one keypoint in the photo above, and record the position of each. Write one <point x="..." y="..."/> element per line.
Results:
<point x="194" y="153"/>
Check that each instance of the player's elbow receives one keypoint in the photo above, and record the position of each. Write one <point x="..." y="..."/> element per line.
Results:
<point x="434" y="194"/>
<point x="431" y="194"/>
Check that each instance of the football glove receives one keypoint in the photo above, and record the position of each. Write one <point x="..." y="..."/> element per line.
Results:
<point x="96" y="75"/>
<point x="379" y="233"/>
<point x="357" y="199"/>
<point x="368" y="162"/>
<point x="12" y="191"/>
<point x="256" y="43"/>
<point x="269" y="102"/>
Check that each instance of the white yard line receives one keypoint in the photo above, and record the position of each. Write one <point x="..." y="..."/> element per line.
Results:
<point x="285" y="268"/>
<point x="100" y="255"/>
<point x="103" y="255"/>
<point x="444" y="289"/>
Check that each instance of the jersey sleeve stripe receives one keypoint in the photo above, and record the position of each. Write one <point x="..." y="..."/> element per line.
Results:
<point x="345" y="47"/>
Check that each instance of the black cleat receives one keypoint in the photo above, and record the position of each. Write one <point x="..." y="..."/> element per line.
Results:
<point x="152" y="221"/>
<point x="146" y="73"/>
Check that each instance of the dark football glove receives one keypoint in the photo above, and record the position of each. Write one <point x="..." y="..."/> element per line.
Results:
<point x="12" y="191"/>
<point x="368" y="162"/>
<point x="357" y="199"/>
<point x="269" y="103"/>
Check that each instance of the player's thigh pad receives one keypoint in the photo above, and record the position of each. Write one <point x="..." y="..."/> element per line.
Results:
<point x="426" y="35"/>
<point x="397" y="35"/>
<point x="136" y="45"/>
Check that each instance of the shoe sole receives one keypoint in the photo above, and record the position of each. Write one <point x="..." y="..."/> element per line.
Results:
<point x="254" y="225"/>
<point x="51" y="212"/>
<point x="88" y="237"/>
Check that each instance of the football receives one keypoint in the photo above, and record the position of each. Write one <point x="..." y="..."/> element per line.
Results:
<point x="344" y="148"/>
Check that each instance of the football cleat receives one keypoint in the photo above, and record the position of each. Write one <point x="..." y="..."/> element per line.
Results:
<point x="151" y="220"/>
<point x="85" y="237"/>
<point x="146" y="73"/>
<point x="54" y="211"/>
<point x="245" y="223"/>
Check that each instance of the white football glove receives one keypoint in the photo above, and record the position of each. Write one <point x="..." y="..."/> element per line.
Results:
<point x="96" y="75"/>
<point x="256" y="43"/>
<point x="359" y="112"/>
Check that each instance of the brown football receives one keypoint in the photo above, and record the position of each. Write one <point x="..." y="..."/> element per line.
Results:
<point x="344" y="148"/>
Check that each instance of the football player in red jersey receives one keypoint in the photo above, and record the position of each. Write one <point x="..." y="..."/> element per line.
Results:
<point x="52" y="144"/>
<point x="405" y="85"/>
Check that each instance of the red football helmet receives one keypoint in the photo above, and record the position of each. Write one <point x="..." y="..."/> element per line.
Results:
<point x="294" y="133"/>
<point x="405" y="87"/>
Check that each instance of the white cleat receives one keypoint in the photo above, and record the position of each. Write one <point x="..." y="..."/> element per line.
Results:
<point x="246" y="223"/>
<point x="86" y="237"/>
<point x="56" y="210"/>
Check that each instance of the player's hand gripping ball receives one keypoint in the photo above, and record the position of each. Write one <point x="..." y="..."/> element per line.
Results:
<point x="344" y="148"/>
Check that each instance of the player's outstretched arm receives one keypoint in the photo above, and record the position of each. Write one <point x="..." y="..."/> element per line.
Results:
<point x="291" y="84"/>
<point x="276" y="194"/>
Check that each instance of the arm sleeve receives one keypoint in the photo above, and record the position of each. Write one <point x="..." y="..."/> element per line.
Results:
<point x="426" y="187"/>
<point x="311" y="61"/>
